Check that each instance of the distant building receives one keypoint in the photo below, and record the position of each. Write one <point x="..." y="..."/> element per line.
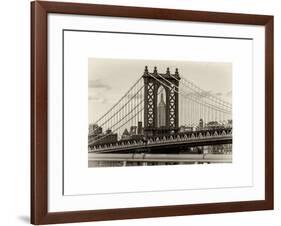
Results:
<point x="104" y="139"/>
<point x="95" y="132"/>
<point x="201" y="123"/>
<point x="161" y="112"/>
<point x="229" y="122"/>
<point x="183" y="129"/>
<point x="134" y="134"/>
<point x="94" y="129"/>
<point x="140" y="129"/>
<point x="133" y="130"/>
<point x="108" y="131"/>
<point x="213" y="125"/>
<point x="125" y="135"/>
<point x="96" y="136"/>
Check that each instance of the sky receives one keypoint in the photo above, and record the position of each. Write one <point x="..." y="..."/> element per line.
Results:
<point x="109" y="79"/>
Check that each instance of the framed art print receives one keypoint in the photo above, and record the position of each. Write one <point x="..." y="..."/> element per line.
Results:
<point x="148" y="112"/>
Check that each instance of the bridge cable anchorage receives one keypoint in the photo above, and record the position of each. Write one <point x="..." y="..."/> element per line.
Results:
<point x="124" y="117"/>
<point x="129" y="90"/>
<point x="169" y="87"/>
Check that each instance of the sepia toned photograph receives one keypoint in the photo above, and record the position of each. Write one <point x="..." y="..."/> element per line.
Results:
<point x="158" y="112"/>
<point x="155" y="137"/>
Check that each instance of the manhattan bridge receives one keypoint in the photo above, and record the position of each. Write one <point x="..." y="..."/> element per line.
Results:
<point x="163" y="119"/>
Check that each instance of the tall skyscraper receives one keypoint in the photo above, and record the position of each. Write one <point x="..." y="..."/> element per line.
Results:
<point x="161" y="112"/>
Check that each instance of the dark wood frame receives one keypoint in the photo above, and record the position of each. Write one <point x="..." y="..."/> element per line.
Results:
<point x="39" y="109"/>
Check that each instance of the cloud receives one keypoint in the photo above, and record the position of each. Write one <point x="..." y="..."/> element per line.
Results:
<point x="202" y="94"/>
<point x="98" y="84"/>
<point x="97" y="99"/>
<point x="205" y="94"/>
<point x="229" y="93"/>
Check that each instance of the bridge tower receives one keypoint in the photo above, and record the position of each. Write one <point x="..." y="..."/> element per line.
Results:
<point x="152" y="83"/>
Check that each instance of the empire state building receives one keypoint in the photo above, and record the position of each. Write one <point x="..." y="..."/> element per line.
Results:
<point x="161" y="112"/>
